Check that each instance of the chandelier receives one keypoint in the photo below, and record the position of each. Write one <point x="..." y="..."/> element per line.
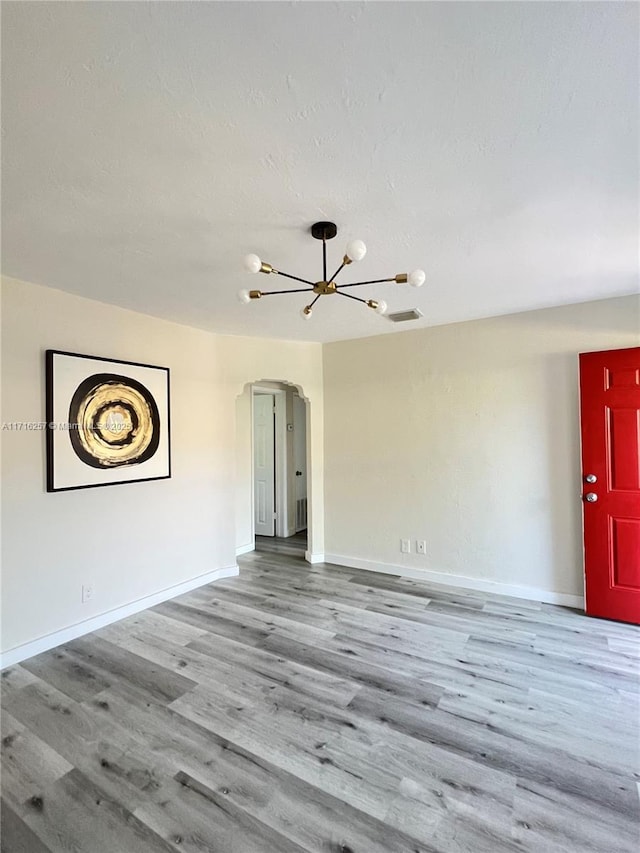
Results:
<point x="356" y="250"/>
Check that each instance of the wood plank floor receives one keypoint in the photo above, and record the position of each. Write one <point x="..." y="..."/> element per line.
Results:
<point x="294" y="546"/>
<point x="300" y="708"/>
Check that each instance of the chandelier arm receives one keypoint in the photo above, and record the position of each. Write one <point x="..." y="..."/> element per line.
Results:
<point x="340" y="268"/>
<point x="278" y="292"/>
<point x="294" y="277"/>
<point x="360" y="283"/>
<point x="349" y="296"/>
<point x="311" y="304"/>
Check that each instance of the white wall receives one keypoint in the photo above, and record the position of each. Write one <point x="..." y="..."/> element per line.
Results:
<point x="245" y="540"/>
<point x="467" y="436"/>
<point x="134" y="540"/>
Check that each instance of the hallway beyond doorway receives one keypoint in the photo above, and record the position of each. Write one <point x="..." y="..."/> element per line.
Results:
<point x="294" y="546"/>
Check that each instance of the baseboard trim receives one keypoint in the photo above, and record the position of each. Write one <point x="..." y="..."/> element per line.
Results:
<point x="57" y="638"/>
<point x="442" y="578"/>
<point x="245" y="549"/>
<point x="314" y="558"/>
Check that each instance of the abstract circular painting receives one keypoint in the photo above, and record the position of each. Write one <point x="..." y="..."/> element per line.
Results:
<point x="107" y="421"/>
<point x="117" y="421"/>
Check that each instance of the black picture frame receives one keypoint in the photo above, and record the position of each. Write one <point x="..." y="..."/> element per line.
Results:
<point x="58" y="439"/>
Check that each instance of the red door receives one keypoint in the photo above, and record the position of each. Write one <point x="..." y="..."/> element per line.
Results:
<point x="610" y="416"/>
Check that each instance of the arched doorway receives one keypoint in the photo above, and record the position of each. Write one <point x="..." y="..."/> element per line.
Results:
<point x="273" y="504"/>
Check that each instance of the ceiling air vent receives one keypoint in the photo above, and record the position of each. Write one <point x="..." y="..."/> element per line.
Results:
<point x="403" y="316"/>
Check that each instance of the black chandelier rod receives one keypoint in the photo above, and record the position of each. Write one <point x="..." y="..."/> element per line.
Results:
<point x="277" y="292"/>
<point x="340" y="268"/>
<point x="349" y="296"/>
<point x="311" y="304"/>
<point x="295" y="278"/>
<point x="324" y="259"/>
<point x="360" y="283"/>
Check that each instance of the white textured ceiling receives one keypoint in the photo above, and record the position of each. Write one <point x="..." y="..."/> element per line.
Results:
<point x="148" y="146"/>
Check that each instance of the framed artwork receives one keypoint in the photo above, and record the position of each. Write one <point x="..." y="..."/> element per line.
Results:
<point x="107" y="421"/>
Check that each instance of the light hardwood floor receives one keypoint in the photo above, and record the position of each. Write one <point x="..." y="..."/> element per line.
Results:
<point x="300" y="708"/>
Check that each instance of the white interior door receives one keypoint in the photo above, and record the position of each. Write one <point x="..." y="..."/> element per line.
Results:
<point x="264" y="467"/>
<point x="300" y="461"/>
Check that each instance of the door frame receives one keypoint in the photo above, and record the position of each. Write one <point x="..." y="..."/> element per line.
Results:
<point x="293" y="481"/>
<point x="280" y="462"/>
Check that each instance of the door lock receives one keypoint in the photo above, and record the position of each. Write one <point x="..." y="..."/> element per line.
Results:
<point x="591" y="497"/>
<point x="591" y="478"/>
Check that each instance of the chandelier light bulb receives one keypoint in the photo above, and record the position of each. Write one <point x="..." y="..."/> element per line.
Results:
<point x="306" y="312"/>
<point x="243" y="296"/>
<point x="356" y="250"/>
<point x="252" y="263"/>
<point x="416" y="278"/>
<point x="377" y="305"/>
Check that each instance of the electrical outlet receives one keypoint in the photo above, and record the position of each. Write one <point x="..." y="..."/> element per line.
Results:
<point x="87" y="592"/>
<point x="421" y="546"/>
<point x="405" y="546"/>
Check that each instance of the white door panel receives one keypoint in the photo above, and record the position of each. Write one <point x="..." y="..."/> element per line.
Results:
<point x="264" y="464"/>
